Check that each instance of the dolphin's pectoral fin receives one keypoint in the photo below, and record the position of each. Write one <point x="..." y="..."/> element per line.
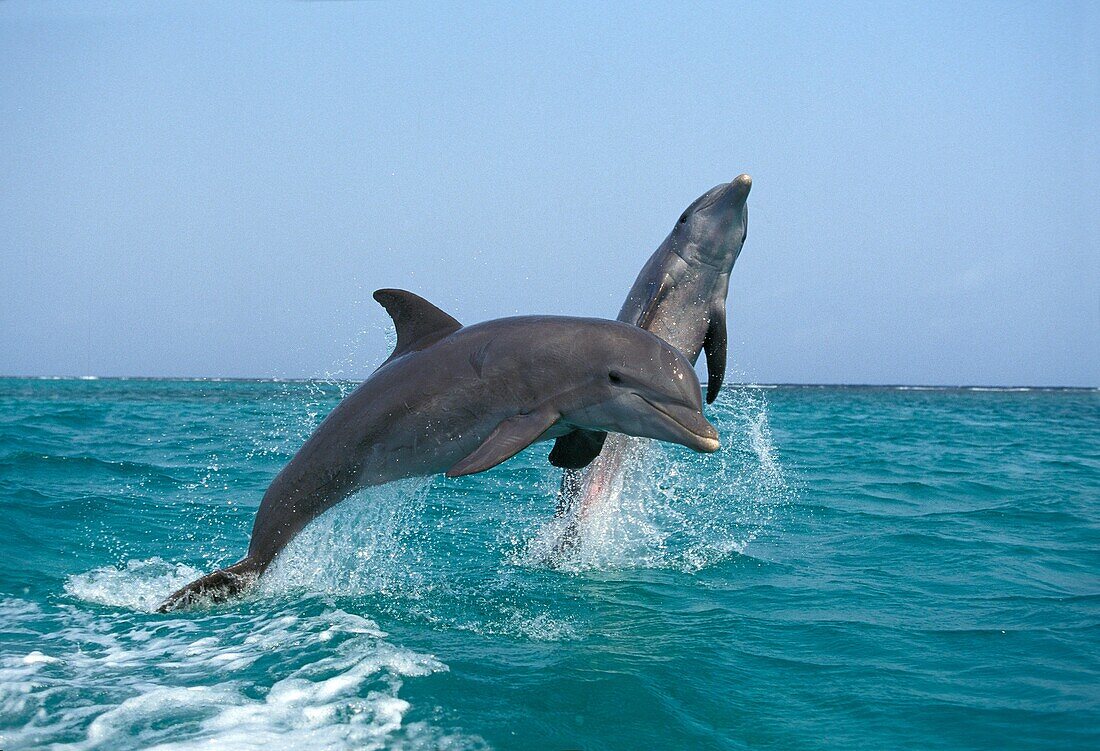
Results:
<point x="714" y="343"/>
<point x="577" y="449"/>
<point x="419" y="324"/>
<point x="508" y="439"/>
<point x="657" y="292"/>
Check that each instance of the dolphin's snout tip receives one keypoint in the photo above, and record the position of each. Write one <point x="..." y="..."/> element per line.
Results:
<point x="709" y="445"/>
<point x="706" y="440"/>
<point x="743" y="183"/>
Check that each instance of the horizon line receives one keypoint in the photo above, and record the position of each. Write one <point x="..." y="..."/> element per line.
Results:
<point x="742" y="384"/>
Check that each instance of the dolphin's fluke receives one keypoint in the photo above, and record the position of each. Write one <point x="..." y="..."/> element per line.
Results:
<point x="215" y="587"/>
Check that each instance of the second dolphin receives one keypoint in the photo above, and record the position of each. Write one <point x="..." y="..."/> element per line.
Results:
<point x="680" y="295"/>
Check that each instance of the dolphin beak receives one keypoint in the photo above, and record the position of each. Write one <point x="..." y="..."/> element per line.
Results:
<point x="700" y="435"/>
<point x="688" y="428"/>
<point x="740" y="187"/>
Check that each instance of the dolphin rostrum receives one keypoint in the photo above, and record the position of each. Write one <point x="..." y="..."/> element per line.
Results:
<point x="461" y="400"/>
<point x="680" y="295"/>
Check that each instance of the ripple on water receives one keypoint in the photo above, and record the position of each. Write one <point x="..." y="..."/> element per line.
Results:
<point x="921" y="573"/>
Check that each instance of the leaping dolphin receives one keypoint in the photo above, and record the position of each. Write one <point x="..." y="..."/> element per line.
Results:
<point x="680" y="295"/>
<point x="461" y="400"/>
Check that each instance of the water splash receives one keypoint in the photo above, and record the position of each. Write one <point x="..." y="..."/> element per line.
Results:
<point x="138" y="585"/>
<point x="361" y="355"/>
<point x="653" y="506"/>
<point x="369" y="543"/>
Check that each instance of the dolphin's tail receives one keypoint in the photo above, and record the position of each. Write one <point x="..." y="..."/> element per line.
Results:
<point x="218" y="586"/>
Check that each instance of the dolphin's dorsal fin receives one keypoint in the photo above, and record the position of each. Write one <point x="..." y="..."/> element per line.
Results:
<point x="419" y="324"/>
<point x="714" y="343"/>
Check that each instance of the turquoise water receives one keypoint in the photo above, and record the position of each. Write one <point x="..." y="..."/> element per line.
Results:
<point x="857" y="568"/>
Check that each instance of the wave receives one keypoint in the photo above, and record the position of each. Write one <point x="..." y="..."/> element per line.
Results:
<point x="997" y="388"/>
<point x="122" y="679"/>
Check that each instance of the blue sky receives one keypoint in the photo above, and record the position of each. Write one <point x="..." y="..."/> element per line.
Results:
<point x="217" y="189"/>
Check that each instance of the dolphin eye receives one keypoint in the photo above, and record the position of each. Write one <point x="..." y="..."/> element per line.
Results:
<point x="615" y="377"/>
<point x="684" y="218"/>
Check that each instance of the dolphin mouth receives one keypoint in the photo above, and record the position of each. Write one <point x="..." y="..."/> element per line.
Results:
<point x="698" y="434"/>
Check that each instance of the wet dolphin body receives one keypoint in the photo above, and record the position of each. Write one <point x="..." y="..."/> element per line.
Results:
<point x="460" y="400"/>
<point x="680" y="295"/>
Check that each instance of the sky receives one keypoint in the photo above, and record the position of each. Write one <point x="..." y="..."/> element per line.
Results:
<point x="216" y="190"/>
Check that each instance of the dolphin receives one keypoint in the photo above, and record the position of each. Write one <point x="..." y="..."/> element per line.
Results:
<point x="461" y="400"/>
<point x="679" y="295"/>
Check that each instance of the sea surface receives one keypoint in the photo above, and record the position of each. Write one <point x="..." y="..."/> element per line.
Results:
<point x="857" y="568"/>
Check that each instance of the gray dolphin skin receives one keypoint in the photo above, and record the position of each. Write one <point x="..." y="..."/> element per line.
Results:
<point x="680" y="295"/>
<point x="461" y="400"/>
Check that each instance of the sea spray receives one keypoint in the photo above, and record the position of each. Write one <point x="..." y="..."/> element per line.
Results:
<point x="371" y="542"/>
<point x="657" y="508"/>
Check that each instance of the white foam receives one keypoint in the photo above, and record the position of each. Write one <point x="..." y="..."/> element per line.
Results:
<point x="37" y="658"/>
<point x="1007" y="389"/>
<point x="181" y="683"/>
<point x="139" y="585"/>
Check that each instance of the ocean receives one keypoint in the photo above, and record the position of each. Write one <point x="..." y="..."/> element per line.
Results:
<point x="857" y="568"/>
